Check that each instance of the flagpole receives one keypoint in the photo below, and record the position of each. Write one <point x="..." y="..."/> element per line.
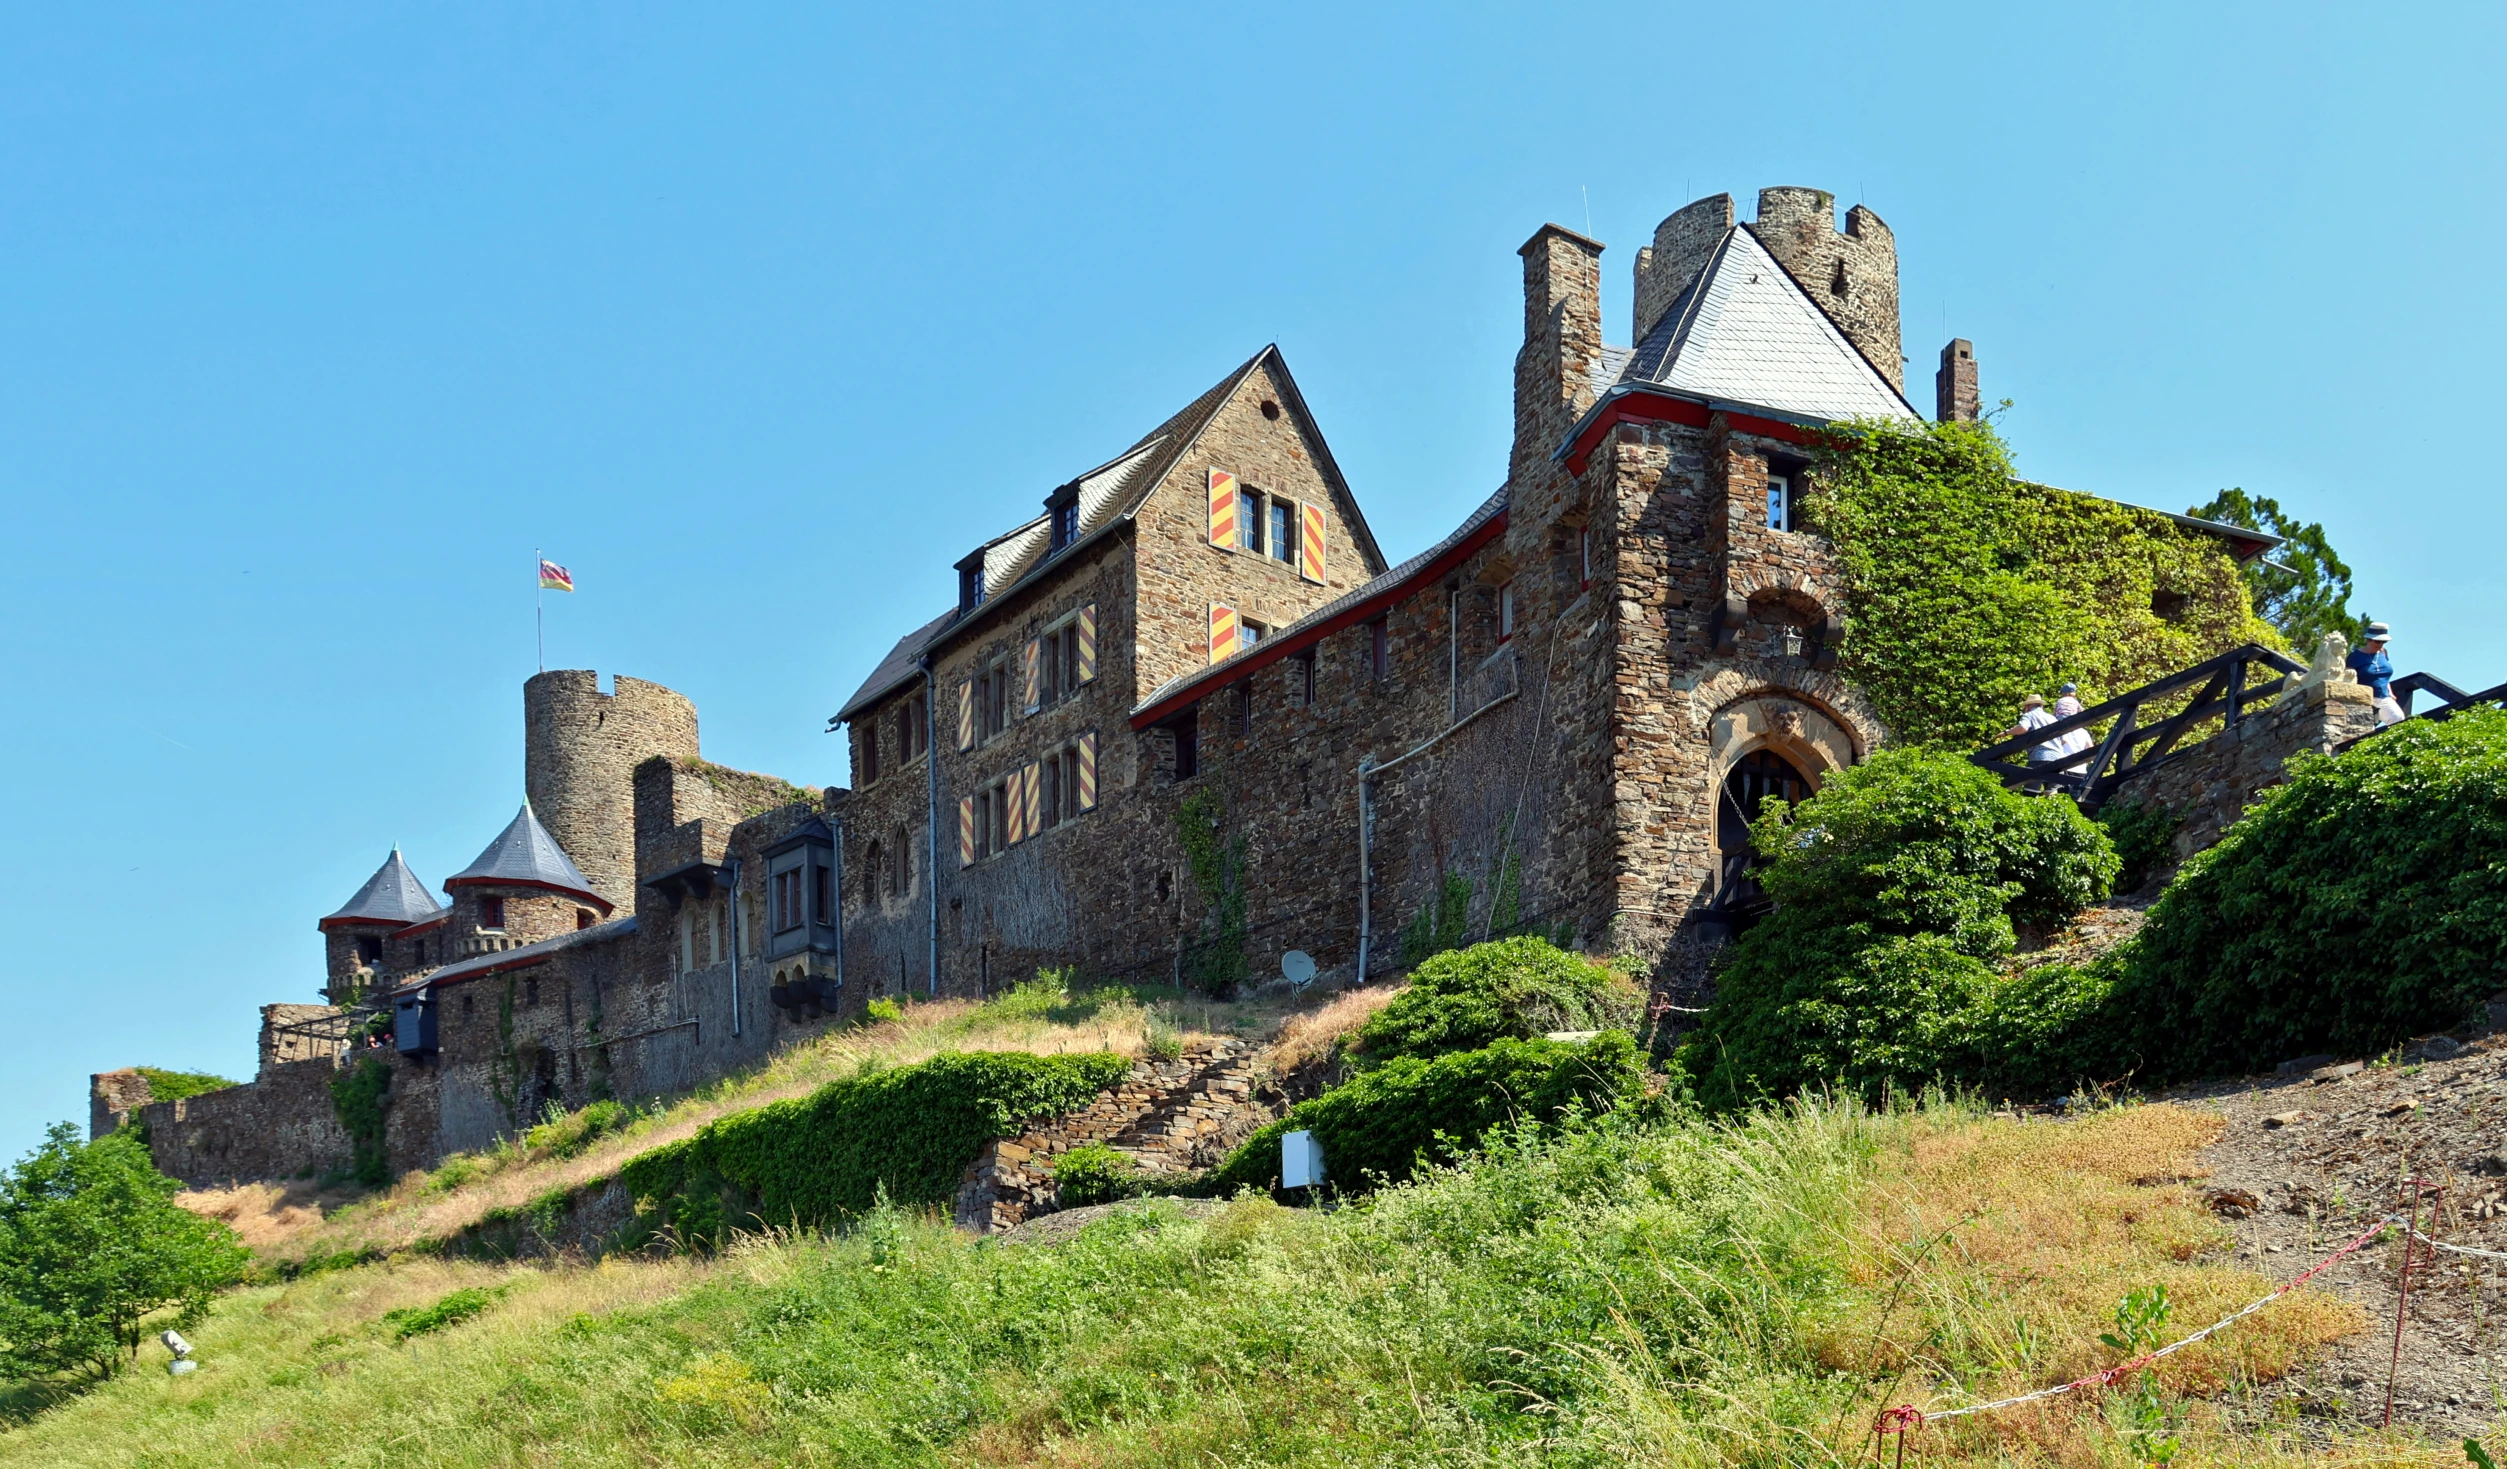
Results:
<point x="539" y="608"/>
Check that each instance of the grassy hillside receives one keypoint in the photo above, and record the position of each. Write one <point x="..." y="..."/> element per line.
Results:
<point x="1678" y="1292"/>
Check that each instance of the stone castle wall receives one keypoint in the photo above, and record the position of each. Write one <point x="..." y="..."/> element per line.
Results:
<point x="278" y="1126"/>
<point x="580" y="751"/>
<point x="2210" y="785"/>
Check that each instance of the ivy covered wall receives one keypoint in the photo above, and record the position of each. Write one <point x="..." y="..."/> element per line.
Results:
<point x="1968" y="587"/>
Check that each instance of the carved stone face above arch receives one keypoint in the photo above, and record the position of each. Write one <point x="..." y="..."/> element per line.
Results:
<point x="1803" y="733"/>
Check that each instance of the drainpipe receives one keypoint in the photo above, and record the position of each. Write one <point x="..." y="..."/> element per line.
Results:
<point x="734" y="901"/>
<point x="931" y="825"/>
<point x="835" y="895"/>
<point x="1366" y="827"/>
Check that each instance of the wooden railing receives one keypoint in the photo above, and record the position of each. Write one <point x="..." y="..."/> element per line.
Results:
<point x="2224" y="689"/>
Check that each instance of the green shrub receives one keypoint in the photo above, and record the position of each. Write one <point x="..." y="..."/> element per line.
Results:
<point x="1967" y="587"/>
<point x="174" y="1086"/>
<point x="452" y="1310"/>
<point x="360" y="1094"/>
<point x="1093" y="1173"/>
<point x="2144" y="838"/>
<point x="1379" y="1126"/>
<point x="1896" y="888"/>
<point x="879" y="1010"/>
<point x="2358" y="904"/>
<point x="1518" y="988"/>
<point x="91" y="1246"/>
<point x="569" y="1133"/>
<point x="812" y="1161"/>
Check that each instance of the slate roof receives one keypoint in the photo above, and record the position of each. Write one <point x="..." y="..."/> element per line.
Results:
<point x="1108" y="495"/>
<point x="1745" y="333"/>
<point x="392" y="895"/>
<point x="522" y="958"/>
<point x="525" y="855"/>
<point x="1286" y="640"/>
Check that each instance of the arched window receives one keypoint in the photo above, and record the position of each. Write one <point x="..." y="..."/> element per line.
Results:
<point x="1738" y="900"/>
<point x="871" y="879"/>
<point x="901" y="867"/>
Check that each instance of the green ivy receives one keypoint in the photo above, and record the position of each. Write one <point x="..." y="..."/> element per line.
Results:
<point x="815" y="1160"/>
<point x="1439" y="925"/>
<point x="1967" y="587"/>
<point x="174" y="1086"/>
<point x="1215" y="959"/>
<point x="360" y="1093"/>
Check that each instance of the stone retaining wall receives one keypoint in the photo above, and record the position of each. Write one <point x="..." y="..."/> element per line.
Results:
<point x="2211" y="784"/>
<point x="1170" y="1117"/>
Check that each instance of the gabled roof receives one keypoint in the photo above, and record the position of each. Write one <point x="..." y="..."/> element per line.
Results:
<point x="393" y="895"/>
<point x="1108" y="495"/>
<point x="1351" y="607"/>
<point x="1745" y="334"/>
<point x="525" y="855"/>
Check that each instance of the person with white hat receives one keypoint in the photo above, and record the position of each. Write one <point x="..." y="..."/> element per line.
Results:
<point x="2374" y="669"/>
<point x="2033" y="716"/>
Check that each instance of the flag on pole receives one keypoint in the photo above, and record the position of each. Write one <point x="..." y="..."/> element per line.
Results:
<point x="555" y="578"/>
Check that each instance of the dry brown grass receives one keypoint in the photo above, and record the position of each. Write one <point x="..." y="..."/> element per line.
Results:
<point x="1309" y="1037"/>
<point x="2013" y="1243"/>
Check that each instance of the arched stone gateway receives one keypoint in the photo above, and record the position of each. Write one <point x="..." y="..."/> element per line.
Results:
<point x="1771" y="743"/>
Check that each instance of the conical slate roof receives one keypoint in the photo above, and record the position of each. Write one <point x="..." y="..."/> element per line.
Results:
<point x="392" y="895"/>
<point x="525" y="855"/>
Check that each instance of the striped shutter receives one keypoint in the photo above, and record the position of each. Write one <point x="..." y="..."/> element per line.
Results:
<point x="966" y="714"/>
<point x="1223" y="509"/>
<point x="1015" y="789"/>
<point x="1088" y="642"/>
<point x="1310" y="545"/>
<point x="1224" y="632"/>
<point x="1035" y="694"/>
<point x="1088" y="771"/>
<point x="966" y="831"/>
<point x="1035" y="797"/>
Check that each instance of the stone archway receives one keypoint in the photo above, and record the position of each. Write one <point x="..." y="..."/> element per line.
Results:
<point x="1771" y="743"/>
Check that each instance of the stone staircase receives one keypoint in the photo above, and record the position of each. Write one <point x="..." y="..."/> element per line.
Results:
<point x="1170" y="1117"/>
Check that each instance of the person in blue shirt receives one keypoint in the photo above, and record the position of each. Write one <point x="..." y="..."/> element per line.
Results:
<point x="2374" y="669"/>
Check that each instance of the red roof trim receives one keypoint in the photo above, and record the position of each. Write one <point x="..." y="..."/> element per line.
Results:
<point x="1266" y="654"/>
<point x="1641" y="406"/>
<point x="607" y="907"/>
<point x="389" y="925"/>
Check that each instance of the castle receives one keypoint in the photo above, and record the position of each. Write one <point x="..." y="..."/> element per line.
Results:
<point x="1188" y="721"/>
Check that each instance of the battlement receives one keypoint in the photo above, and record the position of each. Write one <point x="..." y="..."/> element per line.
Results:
<point x="580" y="751"/>
<point x="1851" y="272"/>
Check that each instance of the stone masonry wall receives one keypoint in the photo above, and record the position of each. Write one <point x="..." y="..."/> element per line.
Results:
<point x="1170" y="1117"/>
<point x="580" y="751"/>
<point x="2210" y="784"/>
<point x="280" y="1126"/>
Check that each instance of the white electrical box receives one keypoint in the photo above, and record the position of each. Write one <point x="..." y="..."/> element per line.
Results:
<point x="1301" y="1161"/>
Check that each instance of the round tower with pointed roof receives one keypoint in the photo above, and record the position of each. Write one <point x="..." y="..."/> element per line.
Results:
<point x="522" y="889"/>
<point x="580" y="751"/>
<point x="369" y="937"/>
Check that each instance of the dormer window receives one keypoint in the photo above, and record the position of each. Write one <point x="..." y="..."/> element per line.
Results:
<point x="970" y="586"/>
<point x="1065" y="524"/>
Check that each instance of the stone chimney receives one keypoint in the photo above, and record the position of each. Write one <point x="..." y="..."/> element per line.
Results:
<point x="1562" y="342"/>
<point x="1954" y="386"/>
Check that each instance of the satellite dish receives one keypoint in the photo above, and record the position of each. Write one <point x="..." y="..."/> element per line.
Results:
<point x="1297" y="967"/>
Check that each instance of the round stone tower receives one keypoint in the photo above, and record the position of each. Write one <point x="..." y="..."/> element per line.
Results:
<point x="580" y="751"/>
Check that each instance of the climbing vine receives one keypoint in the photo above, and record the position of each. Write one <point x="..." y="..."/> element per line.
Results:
<point x="1968" y="587"/>
<point x="359" y="1093"/>
<point x="1214" y="958"/>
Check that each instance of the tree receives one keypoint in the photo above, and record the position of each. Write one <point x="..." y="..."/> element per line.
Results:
<point x="91" y="1246"/>
<point x="2301" y="586"/>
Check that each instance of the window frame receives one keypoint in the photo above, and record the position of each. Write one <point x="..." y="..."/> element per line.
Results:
<point x="491" y="915"/>
<point x="1505" y="612"/>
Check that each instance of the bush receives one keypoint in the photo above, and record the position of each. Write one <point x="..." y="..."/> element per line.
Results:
<point x="879" y="1010"/>
<point x="1896" y="888"/>
<point x="812" y="1161"/>
<point x="452" y="1310"/>
<point x="174" y="1086"/>
<point x="2358" y="904"/>
<point x="91" y="1246"/>
<point x="569" y="1133"/>
<point x="1093" y="1173"/>
<point x="1517" y="988"/>
<point x="2144" y="838"/>
<point x="1380" y="1126"/>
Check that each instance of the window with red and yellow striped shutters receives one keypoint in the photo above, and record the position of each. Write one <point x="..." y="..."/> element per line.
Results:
<point x="1034" y="790"/>
<point x="1088" y="771"/>
<point x="1033" y="690"/>
<point x="1088" y="642"/>
<point x="1226" y="632"/>
<point x="966" y="831"/>
<point x="1310" y="544"/>
<point x="1222" y="509"/>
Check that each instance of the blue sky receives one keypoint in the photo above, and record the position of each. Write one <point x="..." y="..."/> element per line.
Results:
<point x="315" y="321"/>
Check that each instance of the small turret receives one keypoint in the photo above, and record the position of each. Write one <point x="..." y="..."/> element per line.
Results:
<point x="359" y="940"/>
<point x="522" y="889"/>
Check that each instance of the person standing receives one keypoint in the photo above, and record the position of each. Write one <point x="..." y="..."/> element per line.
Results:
<point x="2075" y="742"/>
<point x="2033" y="716"/>
<point x="2376" y="670"/>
